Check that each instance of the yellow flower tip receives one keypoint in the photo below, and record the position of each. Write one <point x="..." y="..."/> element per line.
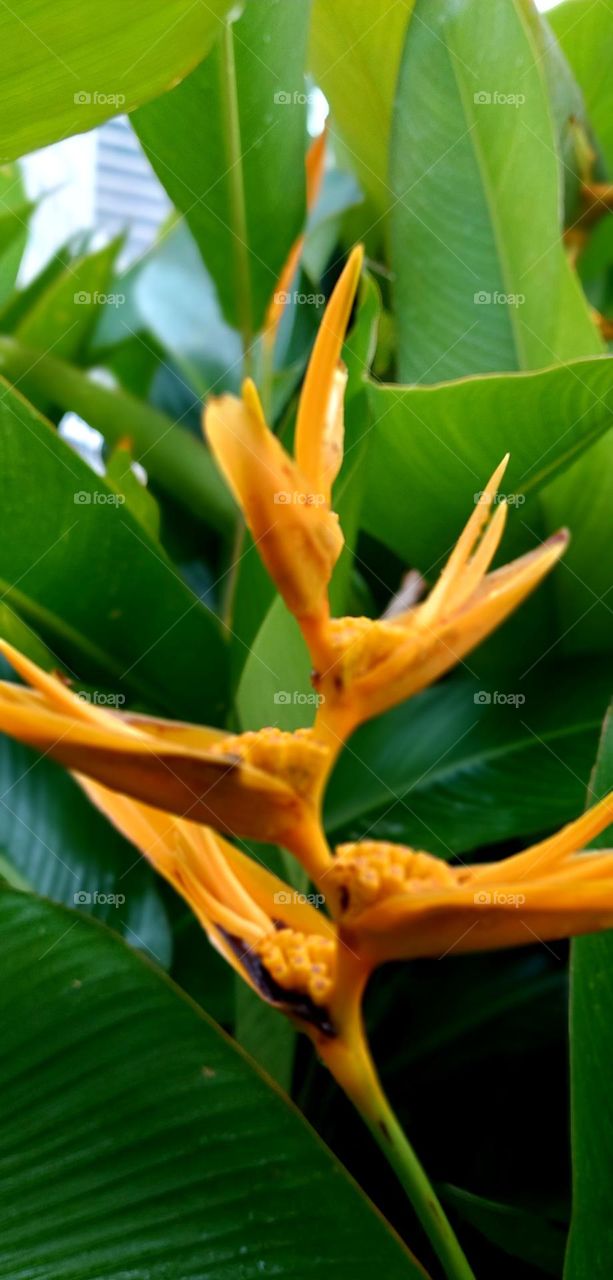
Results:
<point x="301" y="965"/>
<point x="320" y="410"/>
<point x="369" y="872"/>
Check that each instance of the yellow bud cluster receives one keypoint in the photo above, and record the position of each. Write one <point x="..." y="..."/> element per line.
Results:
<point x="300" y="962"/>
<point x="297" y="759"/>
<point x="370" y="871"/>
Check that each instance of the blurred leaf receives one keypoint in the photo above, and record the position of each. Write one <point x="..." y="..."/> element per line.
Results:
<point x="473" y="134"/>
<point x="441" y="444"/>
<point x="122" y="614"/>
<point x="66" y="72"/>
<point x="585" y="32"/>
<point x="15" y="211"/>
<point x="173" y="457"/>
<point x="356" y="47"/>
<point x="64" y="849"/>
<point x="139" y="501"/>
<point x="62" y="316"/>
<point x="590" y="1245"/>
<point x="522" y="1234"/>
<point x="227" y="142"/>
<point x="479" y="286"/>
<point x="457" y="767"/>
<point x="120" y="1096"/>
<point x="175" y="298"/>
<point x="268" y="1038"/>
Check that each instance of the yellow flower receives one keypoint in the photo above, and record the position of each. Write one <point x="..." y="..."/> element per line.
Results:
<point x="265" y="785"/>
<point x="396" y="903"/>
<point x="371" y="666"/>
<point x="286" y="501"/>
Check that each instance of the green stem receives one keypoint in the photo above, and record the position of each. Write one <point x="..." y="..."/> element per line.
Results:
<point x="175" y="459"/>
<point x="348" y="1058"/>
<point x="238" y="205"/>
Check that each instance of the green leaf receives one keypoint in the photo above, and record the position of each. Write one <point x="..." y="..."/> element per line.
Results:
<point x="479" y="287"/>
<point x="63" y="848"/>
<point x="585" y="32"/>
<point x="520" y="1233"/>
<point x="355" y="52"/>
<point x="14" y="219"/>
<point x="268" y="1038"/>
<point x="458" y="767"/>
<point x="137" y="1140"/>
<point x="227" y="142"/>
<point x="435" y="447"/>
<point x="140" y="502"/>
<point x="64" y="314"/>
<point x="68" y="67"/>
<point x="122" y="614"/>
<point x="590" y="1245"/>
<point x="173" y="457"/>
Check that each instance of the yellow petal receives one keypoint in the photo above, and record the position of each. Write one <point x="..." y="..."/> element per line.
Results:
<point x="297" y="537"/>
<point x="551" y="854"/>
<point x="317" y="423"/>
<point x="315" y="159"/>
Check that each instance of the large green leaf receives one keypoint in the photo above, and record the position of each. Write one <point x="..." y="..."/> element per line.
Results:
<point x="177" y="461"/>
<point x="435" y="447"/>
<point x="469" y="764"/>
<point x="84" y="573"/>
<point x="590" y="1246"/>
<point x="135" y="1139"/>
<point x="585" y="32"/>
<point x="228" y="141"/>
<point x="63" y="315"/>
<point x="355" y="52"/>
<point x="68" y="66"/>
<point x="64" y="848"/>
<point x="480" y="287"/>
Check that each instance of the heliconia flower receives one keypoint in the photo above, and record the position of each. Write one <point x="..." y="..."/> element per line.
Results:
<point x="392" y="902"/>
<point x="264" y="785"/>
<point x="280" y="944"/>
<point x="371" y="666"/>
<point x="286" y="501"/>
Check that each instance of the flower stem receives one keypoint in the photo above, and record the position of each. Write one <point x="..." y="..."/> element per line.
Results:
<point x="348" y="1058"/>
